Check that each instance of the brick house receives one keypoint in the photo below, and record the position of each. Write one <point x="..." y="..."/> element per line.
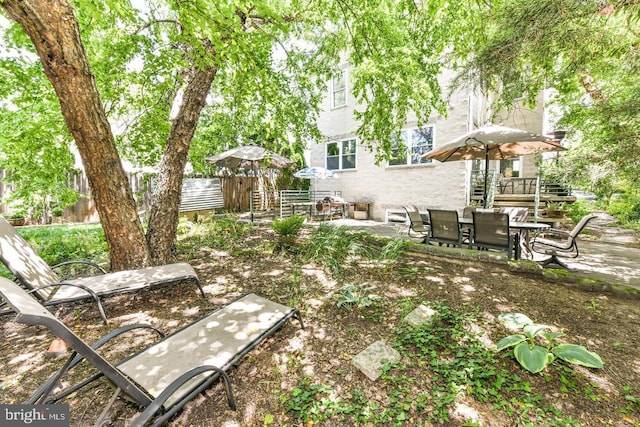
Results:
<point x="409" y="179"/>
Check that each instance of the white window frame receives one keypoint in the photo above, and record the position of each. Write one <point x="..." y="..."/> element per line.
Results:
<point x="516" y="163"/>
<point x="340" y="89"/>
<point x="341" y="155"/>
<point x="413" y="147"/>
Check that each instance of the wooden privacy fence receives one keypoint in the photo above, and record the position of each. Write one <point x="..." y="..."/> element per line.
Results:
<point x="82" y="211"/>
<point x="236" y="192"/>
<point x="230" y="193"/>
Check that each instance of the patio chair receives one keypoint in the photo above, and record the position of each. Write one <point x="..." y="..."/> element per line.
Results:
<point x="516" y="214"/>
<point x="444" y="228"/>
<point x="418" y="227"/>
<point x="467" y="212"/>
<point x="558" y="243"/>
<point x="32" y="272"/>
<point x="491" y="231"/>
<point x="165" y="376"/>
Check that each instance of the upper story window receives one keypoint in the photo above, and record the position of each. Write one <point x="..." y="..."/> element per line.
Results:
<point x="417" y="142"/>
<point x="339" y="90"/>
<point x="341" y="155"/>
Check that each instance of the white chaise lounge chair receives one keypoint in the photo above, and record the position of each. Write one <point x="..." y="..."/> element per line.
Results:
<point x="163" y="377"/>
<point x="34" y="274"/>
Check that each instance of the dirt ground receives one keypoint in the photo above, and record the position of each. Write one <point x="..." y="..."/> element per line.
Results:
<point x="322" y="352"/>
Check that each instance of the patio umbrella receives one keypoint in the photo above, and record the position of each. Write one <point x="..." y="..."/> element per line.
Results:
<point x="493" y="143"/>
<point x="249" y="155"/>
<point x="315" y="173"/>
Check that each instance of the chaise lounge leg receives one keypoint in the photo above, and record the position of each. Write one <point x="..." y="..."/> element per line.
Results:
<point x="200" y="288"/>
<point x="105" y="412"/>
<point x="554" y="260"/>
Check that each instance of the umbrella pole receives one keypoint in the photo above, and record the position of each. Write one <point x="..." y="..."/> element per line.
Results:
<point x="486" y="175"/>
<point x="251" y="192"/>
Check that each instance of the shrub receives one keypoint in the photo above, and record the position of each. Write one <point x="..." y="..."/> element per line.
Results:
<point x="626" y="208"/>
<point x="220" y="232"/>
<point x="59" y="243"/>
<point x="288" y="229"/>
<point x="579" y="209"/>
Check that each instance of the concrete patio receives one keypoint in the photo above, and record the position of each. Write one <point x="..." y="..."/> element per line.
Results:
<point x="614" y="258"/>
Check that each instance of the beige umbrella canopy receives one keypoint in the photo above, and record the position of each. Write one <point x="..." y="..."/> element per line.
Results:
<point x="247" y="156"/>
<point x="241" y="156"/>
<point x="493" y="143"/>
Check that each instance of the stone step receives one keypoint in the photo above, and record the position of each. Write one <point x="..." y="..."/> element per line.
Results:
<point x="371" y="359"/>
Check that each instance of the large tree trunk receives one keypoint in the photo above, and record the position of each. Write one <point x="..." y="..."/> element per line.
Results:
<point x="54" y="31"/>
<point x="163" y="213"/>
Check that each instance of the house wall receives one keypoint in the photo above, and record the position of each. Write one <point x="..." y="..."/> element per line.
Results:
<point x="433" y="185"/>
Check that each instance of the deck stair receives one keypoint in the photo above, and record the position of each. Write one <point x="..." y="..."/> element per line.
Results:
<point x="525" y="193"/>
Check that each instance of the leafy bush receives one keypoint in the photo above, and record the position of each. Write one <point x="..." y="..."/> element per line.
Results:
<point x="220" y="232"/>
<point x="288" y="229"/>
<point x="19" y="213"/>
<point x="626" y="208"/>
<point x="579" y="209"/>
<point x="60" y="243"/>
<point x="534" y="357"/>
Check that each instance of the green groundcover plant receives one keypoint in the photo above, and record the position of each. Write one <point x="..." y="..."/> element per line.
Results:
<point x="535" y="357"/>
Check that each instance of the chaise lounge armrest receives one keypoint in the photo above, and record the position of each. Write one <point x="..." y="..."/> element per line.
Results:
<point x="43" y="392"/>
<point x="83" y="262"/>
<point x="554" y="238"/>
<point x="157" y="405"/>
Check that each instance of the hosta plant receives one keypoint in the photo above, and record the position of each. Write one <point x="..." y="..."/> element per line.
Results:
<point x="357" y="296"/>
<point x="537" y="347"/>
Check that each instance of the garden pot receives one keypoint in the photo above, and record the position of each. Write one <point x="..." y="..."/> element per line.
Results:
<point x="556" y="213"/>
<point x="16" y="221"/>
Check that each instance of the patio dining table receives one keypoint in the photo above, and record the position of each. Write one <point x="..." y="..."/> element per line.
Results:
<point x="341" y="207"/>
<point x="525" y="227"/>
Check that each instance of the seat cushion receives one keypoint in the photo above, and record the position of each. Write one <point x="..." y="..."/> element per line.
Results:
<point x="213" y="340"/>
<point x="128" y="280"/>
